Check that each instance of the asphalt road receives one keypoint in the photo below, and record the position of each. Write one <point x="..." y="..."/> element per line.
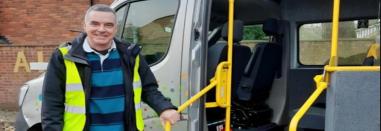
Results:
<point x="7" y="120"/>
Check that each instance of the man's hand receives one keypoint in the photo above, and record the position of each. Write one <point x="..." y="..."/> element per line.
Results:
<point x="170" y="115"/>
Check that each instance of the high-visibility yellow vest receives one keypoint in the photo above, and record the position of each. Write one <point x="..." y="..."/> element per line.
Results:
<point x="75" y="106"/>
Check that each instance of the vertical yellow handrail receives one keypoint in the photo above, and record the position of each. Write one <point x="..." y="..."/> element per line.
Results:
<point x="230" y="66"/>
<point x="335" y="33"/>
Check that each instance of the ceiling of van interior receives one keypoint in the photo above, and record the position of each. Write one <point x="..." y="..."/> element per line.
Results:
<point x="250" y="11"/>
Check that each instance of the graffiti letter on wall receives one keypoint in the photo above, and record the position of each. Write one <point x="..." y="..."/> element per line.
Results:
<point x="40" y="58"/>
<point x="21" y="62"/>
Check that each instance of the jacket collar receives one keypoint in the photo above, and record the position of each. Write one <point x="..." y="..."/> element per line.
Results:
<point x="86" y="46"/>
<point x="77" y="53"/>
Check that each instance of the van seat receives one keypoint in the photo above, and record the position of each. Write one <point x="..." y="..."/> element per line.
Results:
<point x="262" y="67"/>
<point x="249" y="107"/>
<point x="218" y="53"/>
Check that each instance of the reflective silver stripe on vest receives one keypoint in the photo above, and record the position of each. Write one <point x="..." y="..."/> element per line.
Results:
<point x="75" y="109"/>
<point x="137" y="84"/>
<point x="138" y="106"/>
<point x="74" y="87"/>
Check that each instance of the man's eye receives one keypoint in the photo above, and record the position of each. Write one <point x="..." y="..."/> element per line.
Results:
<point x="94" y="23"/>
<point x="109" y="25"/>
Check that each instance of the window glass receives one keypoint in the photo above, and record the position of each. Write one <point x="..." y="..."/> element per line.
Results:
<point x="150" y="24"/>
<point x="355" y="39"/>
<point x="120" y="13"/>
<point x="3" y="40"/>
<point x="253" y="34"/>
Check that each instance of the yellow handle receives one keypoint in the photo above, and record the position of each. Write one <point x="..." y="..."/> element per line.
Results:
<point x="191" y="100"/>
<point x="222" y="84"/>
<point x="321" y="86"/>
<point x="167" y="126"/>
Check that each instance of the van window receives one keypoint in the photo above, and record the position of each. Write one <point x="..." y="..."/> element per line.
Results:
<point x="120" y="18"/>
<point x="253" y="34"/>
<point x="354" y="41"/>
<point x="150" y="24"/>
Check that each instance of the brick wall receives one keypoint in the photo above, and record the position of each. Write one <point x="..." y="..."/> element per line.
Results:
<point x="36" y="22"/>
<point x="107" y="2"/>
<point x="34" y="26"/>
<point x="11" y="80"/>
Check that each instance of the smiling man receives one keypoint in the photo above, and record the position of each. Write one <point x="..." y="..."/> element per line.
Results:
<point x="97" y="83"/>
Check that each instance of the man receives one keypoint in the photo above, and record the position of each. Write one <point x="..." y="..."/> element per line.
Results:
<point x="97" y="83"/>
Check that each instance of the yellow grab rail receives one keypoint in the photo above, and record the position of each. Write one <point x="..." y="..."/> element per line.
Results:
<point x="230" y="61"/>
<point x="320" y="87"/>
<point x="352" y="68"/>
<point x="222" y="84"/>
<point x="221" y="80"/>
<point x="335" y="32"/>
<point x="322" y="84"/>
<point x="322" y="81"/>
<point x="191" y="100"/>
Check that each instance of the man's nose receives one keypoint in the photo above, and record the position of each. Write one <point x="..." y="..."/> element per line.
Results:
<point x="101" y="28"/>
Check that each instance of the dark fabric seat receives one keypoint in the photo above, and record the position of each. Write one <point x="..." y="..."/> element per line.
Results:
<point x="262" y="67"/>
<point x="252" y="77"/>
<point x="241" y="55"/>
<point x="250" y="109"/>
<point x="218" y="53"/>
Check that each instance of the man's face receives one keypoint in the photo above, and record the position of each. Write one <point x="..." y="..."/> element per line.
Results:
<point x="100" y="28"/>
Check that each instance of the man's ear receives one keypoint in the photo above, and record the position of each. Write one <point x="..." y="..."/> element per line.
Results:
<point x="84" y="26"/>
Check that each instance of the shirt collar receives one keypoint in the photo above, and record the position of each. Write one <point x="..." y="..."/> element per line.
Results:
<point x="86" y="46"/>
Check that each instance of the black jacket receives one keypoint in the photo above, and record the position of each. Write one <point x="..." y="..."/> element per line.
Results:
<point x="55" y="79"/>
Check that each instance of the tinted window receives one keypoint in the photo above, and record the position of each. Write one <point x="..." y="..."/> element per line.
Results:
<point x="150" y="24"/>
<point x="355" y="40"/>
<point x="120" y="18"/>
<point x="253" y="34"/>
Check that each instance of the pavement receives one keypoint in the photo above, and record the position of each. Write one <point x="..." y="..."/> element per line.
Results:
<point x="7" y="120"/>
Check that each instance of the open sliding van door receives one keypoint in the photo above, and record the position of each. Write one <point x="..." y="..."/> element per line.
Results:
<point x="193" y="72"/>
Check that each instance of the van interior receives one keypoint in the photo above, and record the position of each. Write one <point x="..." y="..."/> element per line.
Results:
<point x="278" y="47"/>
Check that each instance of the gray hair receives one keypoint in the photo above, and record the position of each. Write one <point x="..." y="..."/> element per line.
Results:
<point x="99" y="7"/>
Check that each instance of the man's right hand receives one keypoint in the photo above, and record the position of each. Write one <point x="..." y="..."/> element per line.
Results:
<point x="170" y="115"/>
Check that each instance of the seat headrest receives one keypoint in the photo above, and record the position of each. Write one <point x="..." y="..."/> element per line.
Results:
<point x="270" y="27"/>
<point x="238" y="31"/>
